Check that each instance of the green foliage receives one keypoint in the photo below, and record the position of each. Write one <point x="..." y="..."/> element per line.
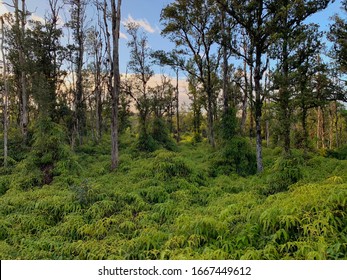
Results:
<point x="167" y="165"/>
<point x="287" y="170"/>
<point x="237" y="156"/>
<point x="146" y="143"/>
<point x="340" y="153"/>
<point x="4" y="184"/>
<point x="161" y="135"/>
<point x="50" y="156"/>
<point x="163" y="205"/>
<point x="228" y="125"/>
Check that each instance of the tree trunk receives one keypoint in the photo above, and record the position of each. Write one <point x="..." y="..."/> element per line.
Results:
<point x="6" y="92"/>
<point x="225" y="68"/>
<point x="116" y="14"/>
<point x="258" y="110"/>
<point x="284" y="95"/>
<point x="245" y="98"/>
<point x="320" y="128"/>
<point x="210" y="117"/>
<point x="177" y="110"/>
<point x="23" y="98"/>
<point x="251" y="103"/>
<point x="79" y="103"/>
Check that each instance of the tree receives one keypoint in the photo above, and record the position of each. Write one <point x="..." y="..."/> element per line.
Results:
<point x="337" y="35"/>
<point x="17" y="56"/>
<point x="171" y="59"/>
<point x="5" y="90"/>
<point x="192" y="26"/>
<point x="140" y="65"/>
<point x="289" y="16"/>
<point x="116" y="15"/>
<point x="256" y="19"/>
<point x="77" y="24"/>
<point x="45" y="57"/>
<point x="305" y="55"/>
<point x="95" y="46"/>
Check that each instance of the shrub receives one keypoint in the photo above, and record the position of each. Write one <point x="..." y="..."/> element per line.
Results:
<point x="340" y="153"/>
<point x="228" y="125"/>
<point x="236" y="156"/>
<point x="167" y="165"/>
<point x="49" y="156"/>
<point x="161" y="135"/>
<point x="286" y="171"/>
<point x="4" y="184"/>
<point x="146" y="143"/>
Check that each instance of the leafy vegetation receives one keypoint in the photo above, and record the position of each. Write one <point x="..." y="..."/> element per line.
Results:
<point x="247" y="160"/>
<point x="165" y="205"/>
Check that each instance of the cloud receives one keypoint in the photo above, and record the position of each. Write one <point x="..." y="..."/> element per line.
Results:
<point x="3" y="9"/>
<point x="141" y="22"/>
<point x="37" y="18"/>
<point x="122" y="35"/>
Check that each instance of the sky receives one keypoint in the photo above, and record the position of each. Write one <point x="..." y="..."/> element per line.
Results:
<point x="147" y="14"/>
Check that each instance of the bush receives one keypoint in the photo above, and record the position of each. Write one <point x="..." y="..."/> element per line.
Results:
<point x="286" y="171"/>
<point x="146" y="143"/>
<point x="228" y="125"/>
<point x="167" y="165"/>
<point x="161" y="135"/>
<point x="236" y="156"/>
<point x="4" y="184"/>
<point x="340" y="153"/>
<point x="49" y="156"/>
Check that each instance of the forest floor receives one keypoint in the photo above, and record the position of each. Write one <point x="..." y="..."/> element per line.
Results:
<point x="169" y="205"/>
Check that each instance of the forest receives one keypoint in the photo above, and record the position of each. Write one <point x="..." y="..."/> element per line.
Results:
<point x="97" y="163"/>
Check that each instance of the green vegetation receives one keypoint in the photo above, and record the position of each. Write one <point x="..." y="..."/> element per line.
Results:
<point x="166" y="205"/>
<point x="247" y="160"/>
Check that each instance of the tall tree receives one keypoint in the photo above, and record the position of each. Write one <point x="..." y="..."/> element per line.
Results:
<point x="95" y="45"/>
<point x="17" y="57"/>
<point x="289" y="16"/>
<point x="140" y="65"/>
<point x="5" y="90"/>
<point x="338" y="35"/>
<point x="45" y="57"/>
<point x="171" y="59"/>
<point x="77" y="24"/>
<point x="193" y="26"/>
<point x="116" y="16"/>
<point x="256" y="18"/>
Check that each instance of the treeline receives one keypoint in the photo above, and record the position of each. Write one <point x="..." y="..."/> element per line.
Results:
<point x="256" y="69"/>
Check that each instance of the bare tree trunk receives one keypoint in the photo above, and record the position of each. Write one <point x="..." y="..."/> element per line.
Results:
<point x="80" y="108"/>
<point x="258" y="110"/>
<point x="23" y="98"/>
<point x="225" y="68"/>
<point x="177" y="109"/>
<point x="6" y="91"/>
<point x="337" y="126"/>
<point x="320" y="128"/>
<point x="116" y="14"/>
<point x="245" y="97"/>
<point x="251" y="103"/>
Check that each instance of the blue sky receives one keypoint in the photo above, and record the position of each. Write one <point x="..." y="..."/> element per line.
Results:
<point x="147" y="14"/>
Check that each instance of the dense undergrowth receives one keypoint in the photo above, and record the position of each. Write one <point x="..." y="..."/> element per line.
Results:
<point x="175" y="205"/>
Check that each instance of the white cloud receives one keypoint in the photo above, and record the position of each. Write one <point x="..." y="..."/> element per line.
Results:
<point x="37" y="18"/>
<point x="122" y="35"/>
<point x="141" y="22"/>
<point x="3" y="9"/>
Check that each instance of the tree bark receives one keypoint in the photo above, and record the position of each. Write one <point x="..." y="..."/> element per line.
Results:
<point x="23" y="97"/>
<point x="116" y="14"/>
<point x="177" y="109"/>
<point x="258" y="109"/>
<point x="6" y="92"/>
